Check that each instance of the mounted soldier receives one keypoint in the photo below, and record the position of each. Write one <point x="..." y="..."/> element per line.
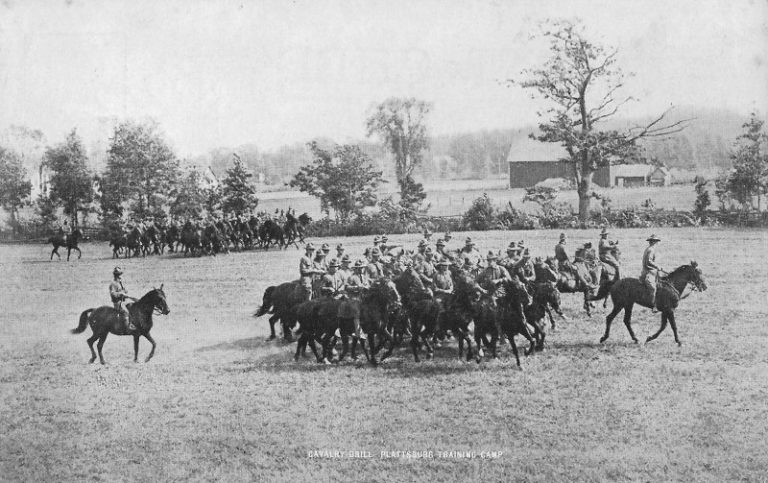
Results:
<point x="320" y="266"/>
<point x="443" y="281"/>
<point x="606" y="249"/>
<point x="307" y="271"/>
<point x="470" y="253"/>
<point x="118" y="294"/>
<point x="650" y="272"/>
<point x="513" y="256"/>
<point x="426" y="268"/>
<point x="565" y="265"/>
<point x="333" y="282"/>
<point x="346" y="268"/>
<point x="419" y="257"/>
<point x="524" y="270"/>
<point x="492" y="276"/>
<point x="375" y="269"/>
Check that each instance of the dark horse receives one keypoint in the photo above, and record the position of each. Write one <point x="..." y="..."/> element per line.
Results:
<point x="629" y="291"/>
<point x="105" y="319"/>
<point x="70" y="243"/>
<point x="282" y="301"/>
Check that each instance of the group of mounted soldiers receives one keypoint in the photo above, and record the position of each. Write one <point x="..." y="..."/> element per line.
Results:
<point x="321" y="274"/>
<point x="502" y="295"/>
<point x="209" y="235"/>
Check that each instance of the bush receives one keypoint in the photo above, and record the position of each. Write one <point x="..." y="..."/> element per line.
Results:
<point x="481" y="215"/>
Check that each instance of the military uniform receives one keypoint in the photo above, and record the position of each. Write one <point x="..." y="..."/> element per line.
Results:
<point x="306" y="273"/>
<point x="334" y="284"/>
<point x="426" y="270"/>
<point x="490" y="278"/>
<point x="604" y="249"/>
<point x="117" y="294"/>
<point x="443" y="283"/>
<point x="650" y="269"/>
<point x="374" y="270"/>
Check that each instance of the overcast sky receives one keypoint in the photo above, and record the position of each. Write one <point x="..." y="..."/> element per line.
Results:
<point x="222" y="73"/>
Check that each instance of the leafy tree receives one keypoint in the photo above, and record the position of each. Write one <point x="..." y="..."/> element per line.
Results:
<point x="71" y="180"/>
<point x="45" y="209"/>
<point x="401" y="123"/>
<point x="702" y="198"/>
<point x="238" y="195"/>
<point x="189" y="197"/>
<point x="581" y="80"/>
<point x="481" y="215"/>
<point x="343" y="179"/>
<point x="14" y="188"/>
<point x="141" y="170"/>
<point x="750" y="164"/>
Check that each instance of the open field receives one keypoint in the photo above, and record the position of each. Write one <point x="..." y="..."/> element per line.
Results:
<point x="220" y="403"/>
<point x="455" y="198"/>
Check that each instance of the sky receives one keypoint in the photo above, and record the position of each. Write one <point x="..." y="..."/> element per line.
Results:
<point x="226" y="73"/>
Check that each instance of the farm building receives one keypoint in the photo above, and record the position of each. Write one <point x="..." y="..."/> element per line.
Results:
<point x="531" y="162"/>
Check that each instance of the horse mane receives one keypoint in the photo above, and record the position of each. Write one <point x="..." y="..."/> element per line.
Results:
<point x="680" y="269"/>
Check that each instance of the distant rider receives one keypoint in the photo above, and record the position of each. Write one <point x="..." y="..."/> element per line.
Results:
<point x="605" y="251"/>
<point x="650" y="269"/>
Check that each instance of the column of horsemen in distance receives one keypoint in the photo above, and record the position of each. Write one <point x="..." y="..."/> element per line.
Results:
<point x="208" y="235"/>
<point x="324" y="276"/>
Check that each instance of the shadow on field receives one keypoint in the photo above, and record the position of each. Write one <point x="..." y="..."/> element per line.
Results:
<point x="242" y="344"/>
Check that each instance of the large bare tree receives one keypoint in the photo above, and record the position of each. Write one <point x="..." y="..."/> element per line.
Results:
<point x="583" y="82"/>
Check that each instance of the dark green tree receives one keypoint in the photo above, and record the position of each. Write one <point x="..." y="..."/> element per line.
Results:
<point x="749" y="178"/>
<point x="141" y="171"/>
<point x="71" y="180"/>
<point x="401" y="124"/>
<point x="343" y="179"/>
<point x="14" y="187"/>
<point x="189" y="197"/>
<point x="238" y="194"/>
<point x="582" y="81"/>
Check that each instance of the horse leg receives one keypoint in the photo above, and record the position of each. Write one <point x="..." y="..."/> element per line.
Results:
<point x="551" y="319"/>
<point x="91" y="340"/>
<point x="616" y="309"/>
<point x="671" y="317"/>
<point x="661" y="329"/>
<point x="415" y="345"/>
<point x="628" y="322"/>
<point x="152" y="352"/>
<point x="272" y="321"/>
<point x="391" y="341"/>
<point x="587" y="305"/>
<point x="302" y="343"/>
<point x="135" y="347"/>
<point x="344" y="347"/>
<point x="511" y="338"/>
<point x="79" y="253"/>
<point x="100" y="344"/>
<point x="427" y="336"/>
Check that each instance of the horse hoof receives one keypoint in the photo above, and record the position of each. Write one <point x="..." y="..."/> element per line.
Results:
<point x="430" y="356"/>
<point x="326" y="362"/>
<point x="91" y="361"/>
<point x="602" y="339"/>
<point x="272" y="337"/>
<point x="635" y="341"/>
<point x="679" y="344"/>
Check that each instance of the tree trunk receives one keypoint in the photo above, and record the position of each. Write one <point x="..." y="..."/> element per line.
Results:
<point x="585" y="195"/>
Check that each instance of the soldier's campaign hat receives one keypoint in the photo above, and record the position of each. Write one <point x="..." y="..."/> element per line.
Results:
<point x="469" y="241"/>
<point x="384" y="238"/>
<point x="441" y="242"/>
<point x="117" y="271"/>
<point x="521" y="244"/>
<point x="444" y="263"/>
<point x="340" y="247"/>
<point x="491" y="256"/>
<point x="423" y="243"/>
<point x="562" y="236"/>
<point x="325" y="247"/>
<point x="377" y="239"/>
<point x="653" y="238"/>
<point x="512" y="247"/>
<point x="334" y="263"/>
<point x="309" y="246"/>
<point x="427" y="233"/>
<point x="428" y="250"/>
<point x="346" y="258"/>
<point x="447" y="235"/>
<point x="526" y="253"/>
<point x="604" y="232"/>
<point x="360" y="263"/>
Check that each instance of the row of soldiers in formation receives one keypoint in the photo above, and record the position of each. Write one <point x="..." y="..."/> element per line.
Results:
<point x="339" y="275"/>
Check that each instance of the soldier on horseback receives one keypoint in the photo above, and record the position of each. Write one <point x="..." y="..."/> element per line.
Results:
<point x="605" y="249"/>
<point x="442" y="281"/>
<point x="470" y="253"/>
<point x="513" y="256"/>
<point x="650" y="270"/>
<point x="426" y="268"/>
<point x="307" y="271"/>
<point x="118" y="294"/>
<point x="565" y="265"/>
<point x="375" y="269"/>
<point x="492" y="276"/>
<point x="333" y="282"/>
<point x="524" y="270"/>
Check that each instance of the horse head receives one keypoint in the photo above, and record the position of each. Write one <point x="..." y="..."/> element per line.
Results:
<point x="696" y="277"/>
<point x="157" y="298"/>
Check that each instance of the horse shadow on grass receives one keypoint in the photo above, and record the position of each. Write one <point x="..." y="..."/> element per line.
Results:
<point x="251" y="343"/>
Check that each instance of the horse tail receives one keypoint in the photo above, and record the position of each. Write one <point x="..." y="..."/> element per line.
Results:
<point x="266" y="302"/>
<point x="83" y="322"/>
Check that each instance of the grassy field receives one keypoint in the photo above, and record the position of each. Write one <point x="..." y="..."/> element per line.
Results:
<point x="220" y="403"/>
<point x="455" y="198"/>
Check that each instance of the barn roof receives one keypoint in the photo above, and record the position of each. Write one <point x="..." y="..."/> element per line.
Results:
<point x="528" y="149"/>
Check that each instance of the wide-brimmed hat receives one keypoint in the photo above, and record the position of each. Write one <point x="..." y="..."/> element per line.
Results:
<point x="521" y="244"/>
<point x="384" y="238"/>
<point x="117" y="271"/>
<point x="444" y="263"/>
<point x="653" y="238"/>
<point x="562" y="236"/>
<point x="346" y="258"/>
<point x="325" y="247"/>
<point x="604" y="232"/>
<point x="441" y="242"/>
<point x="427" y="233"/>
<point x="428" y="251"/>
<point x="334" y="263"/>
<point x="377" y="239"/>
<point x="513" y="248"/>
<point x="340" y="247"/>
<point x="491" y="256"/>
<point x="309" y="246"/>
<point x="447" y="235"/>
<point x="526" y="253"/>
<point x="360" y="264"/>
<point x="469" y="241"/>
<point x="422" y="243"/>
